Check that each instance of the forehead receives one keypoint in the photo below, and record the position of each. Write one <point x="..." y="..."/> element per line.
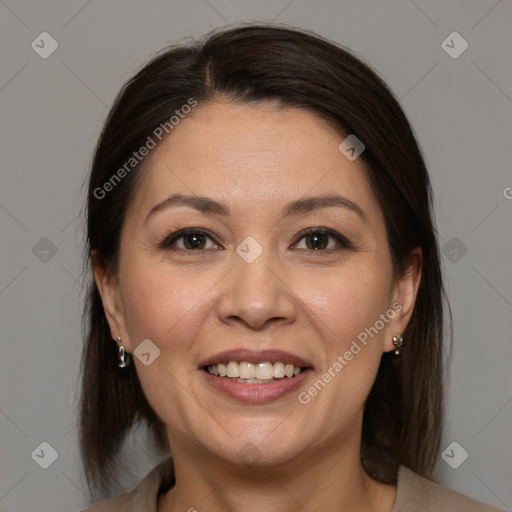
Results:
<point x="250" y="156"/>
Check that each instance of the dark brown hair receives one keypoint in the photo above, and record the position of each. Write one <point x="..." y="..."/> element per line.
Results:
<point x="297" y="69"/>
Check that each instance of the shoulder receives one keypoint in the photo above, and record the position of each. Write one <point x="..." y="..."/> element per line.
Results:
<point x="416" y="493"/>
<point x="144" y="496"/>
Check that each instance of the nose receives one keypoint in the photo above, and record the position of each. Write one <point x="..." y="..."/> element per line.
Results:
<point x="257" y="294"/>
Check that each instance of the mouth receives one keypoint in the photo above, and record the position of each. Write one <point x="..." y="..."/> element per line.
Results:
<point x="250" y="376"/>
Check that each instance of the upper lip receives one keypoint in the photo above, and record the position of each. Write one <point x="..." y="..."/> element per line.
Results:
<point x="255" y="356"/>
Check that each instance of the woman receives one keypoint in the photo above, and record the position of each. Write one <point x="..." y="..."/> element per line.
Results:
<point x="267" y="290"/>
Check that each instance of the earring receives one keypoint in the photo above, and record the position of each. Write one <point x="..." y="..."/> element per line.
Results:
<point x="398" y="342"/>
<point x="122" y="356"/>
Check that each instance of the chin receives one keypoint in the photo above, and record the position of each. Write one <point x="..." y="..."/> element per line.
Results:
<point x="258" y="450"/>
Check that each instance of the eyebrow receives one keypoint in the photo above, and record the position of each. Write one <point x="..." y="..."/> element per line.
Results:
<point x="210" y="206"/>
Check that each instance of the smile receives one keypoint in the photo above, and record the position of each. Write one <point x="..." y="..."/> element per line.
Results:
<point x="255" y="376"/>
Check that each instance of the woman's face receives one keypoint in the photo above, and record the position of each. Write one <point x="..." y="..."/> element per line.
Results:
<point x="248" y="284"/>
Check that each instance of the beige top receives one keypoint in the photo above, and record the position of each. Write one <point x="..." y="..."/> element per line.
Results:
<point x="414" y="494"/>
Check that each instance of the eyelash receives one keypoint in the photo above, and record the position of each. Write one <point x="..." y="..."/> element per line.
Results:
<point x="168" y="242"/>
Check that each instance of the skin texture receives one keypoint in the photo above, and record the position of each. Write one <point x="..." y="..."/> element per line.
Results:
<point x="193" y="304"/>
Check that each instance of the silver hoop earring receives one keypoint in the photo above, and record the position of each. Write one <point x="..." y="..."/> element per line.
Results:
<point x="122" y="356"/>
<point x="398" y="342"/>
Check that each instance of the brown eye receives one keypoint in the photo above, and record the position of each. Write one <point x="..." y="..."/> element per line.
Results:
<point x="193" y="241"/>
<point x="187" y="240"/>
<point x="317" y="239"/>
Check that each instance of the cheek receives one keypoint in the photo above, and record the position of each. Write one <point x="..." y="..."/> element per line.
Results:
<point x="160" y="303"/>
<point x="168" y="307"/>
<point x="348" y="305"/>
<point x="346" y="313"/>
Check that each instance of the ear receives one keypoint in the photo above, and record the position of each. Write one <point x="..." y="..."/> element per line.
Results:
<point x="108" y="287"/>
<point x="405" y="290"/>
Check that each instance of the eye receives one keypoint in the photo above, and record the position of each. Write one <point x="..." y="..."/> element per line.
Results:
<point x="189" y="239"/>
<point x="317" y="239"/>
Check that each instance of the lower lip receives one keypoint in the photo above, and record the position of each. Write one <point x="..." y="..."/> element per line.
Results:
<point x="256" y="393"/>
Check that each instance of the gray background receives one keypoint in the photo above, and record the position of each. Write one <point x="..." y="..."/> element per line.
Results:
<point x="51" y="115"/>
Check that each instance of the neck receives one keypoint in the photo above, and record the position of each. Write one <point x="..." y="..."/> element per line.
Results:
<point x="328" y="479"/>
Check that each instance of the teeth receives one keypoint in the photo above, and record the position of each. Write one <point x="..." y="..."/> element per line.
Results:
<point x="222" y="370"/>
<point x="254" y="381"/>
<point x="232" y="369"/>
<point x="250" y="373"/>
<point x="264" y="371"/>
<point x="247" y="370"/>
<point x="279" y="372"/>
